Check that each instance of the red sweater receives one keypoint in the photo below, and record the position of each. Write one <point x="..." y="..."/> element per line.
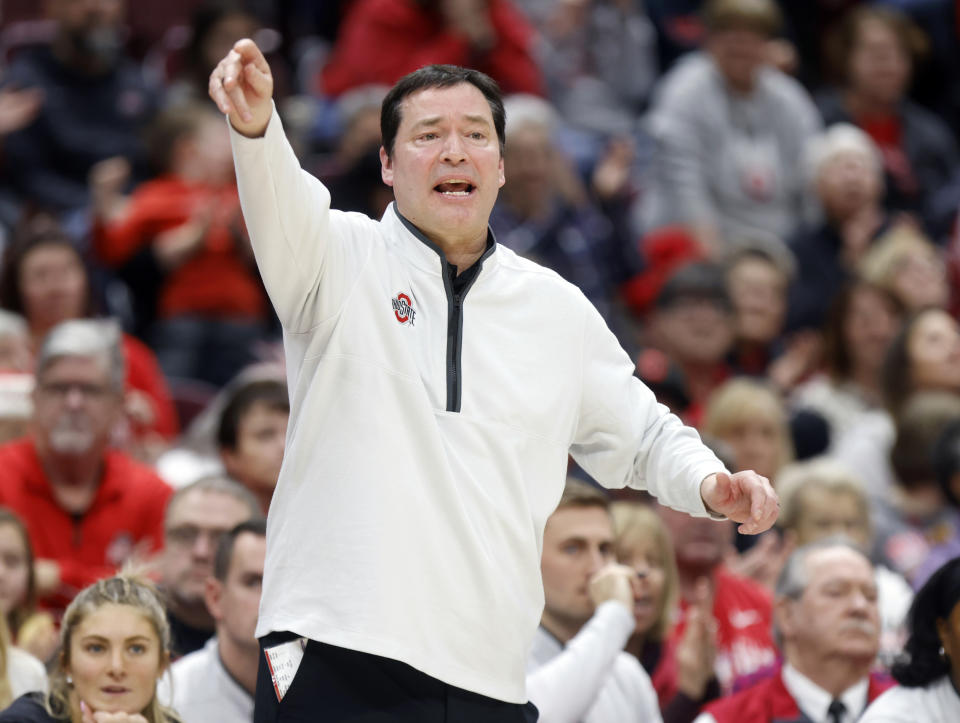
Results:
<point x="128" y="509"/>
<point x="218" y="280"/>
<point x="380" y="41"/>
<point x="769" y="700"/>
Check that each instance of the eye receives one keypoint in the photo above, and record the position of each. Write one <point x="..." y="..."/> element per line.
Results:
<point x="138" y="648"/>
<point x="477" y="136"/>
<point x="428" y="136"/>
<point x="93" y="648"/>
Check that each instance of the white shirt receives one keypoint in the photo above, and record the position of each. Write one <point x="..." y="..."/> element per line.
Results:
<point x="25" y="673"/>
<point x="591" y="679"/>
<point x="201" y="689"/>
<point x="426" y="448"/>
<point x="937" y="702"/>
<point x="813" y="701"/>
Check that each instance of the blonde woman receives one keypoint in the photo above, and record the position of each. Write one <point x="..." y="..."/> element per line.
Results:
<point x="114" y="647"/>
<point x="682" y="674"/>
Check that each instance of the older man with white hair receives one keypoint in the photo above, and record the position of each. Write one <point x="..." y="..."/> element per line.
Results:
<point x="828" y="626"/>
<point x="88" y="508"/>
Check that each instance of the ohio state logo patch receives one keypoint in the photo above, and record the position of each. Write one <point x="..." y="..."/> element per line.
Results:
<point x="402" y="309"/>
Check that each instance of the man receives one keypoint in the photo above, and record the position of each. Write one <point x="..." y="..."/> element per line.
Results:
<point x="741" y="607"/>
<point x="197" y="516"/>
<point x="438" y="384"/>
<point x="252" y="435"/>
<point x="827" y="619"/>
<point x="577" y="667"/>
<point x="217" y="682"/>
<point x="93" y="106"/>
<point x="88" y="508"/>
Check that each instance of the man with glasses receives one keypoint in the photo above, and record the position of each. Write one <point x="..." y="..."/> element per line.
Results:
<point x="198" y="515"/>
<point x="88" y="508"/>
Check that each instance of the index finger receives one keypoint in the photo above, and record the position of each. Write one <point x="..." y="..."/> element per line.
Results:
<point x="250" y="53"/>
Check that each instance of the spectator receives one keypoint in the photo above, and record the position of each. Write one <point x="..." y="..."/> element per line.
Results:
<point x="827" y="621"/>
<point x="861" y="324"/>
<point x="20" y="672"/>
<point x="197" y="516"/>
<point x="114" y="643"/>
<point x="489" y="35"/>
<point x="741" y="608"/>
<point x="45" y="279"/>
<point x="95" y="102"/>
<point x="874" y="53"/>
<point x="846" y="174"/>
<point x="543" y="212"/>
<point x="577" y="670"/>
<point x="252" y="435"/>
<point x="29" y="629"/>
<point x="218" y="682"/>
<point x="88" y="508"/>
<point x="642" y="543"/>
<point x="757" y="284"/>
<point x="692" y="324"/>
<point x="183" y="234"/>
<point x="929" y="672"/>
<point x="946" y="467"/>
<point x="730" y="132"/>
<point x="15" y="346"/>
<point x="821" y="498"/>
<point x="905" y="263"/>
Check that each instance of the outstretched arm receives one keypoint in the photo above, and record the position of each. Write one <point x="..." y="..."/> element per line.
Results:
<point x="242" y="87"/>
<point x="744" y="497"/>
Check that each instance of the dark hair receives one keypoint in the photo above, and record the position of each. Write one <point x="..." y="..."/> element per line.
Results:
<point x="922" y="419"/>
<point x="841" y="43"/>
<point x="836" y="352"/>
<point x="30" y="234"/>
<point x="921" y="662"/>
<point x="439" y="76"/>
<point x="760" y="16"/>
<point x="269" y="392"/>
<point x="224" y="555"/>
<point x="946" y="460"/>
<point x="204" y="19"/>
<point x="20" y="613"/>
<point x="172" y="125"/>
<point x="703" y="280"/>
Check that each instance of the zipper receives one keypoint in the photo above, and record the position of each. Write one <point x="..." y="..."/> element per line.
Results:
<point x="454" y="332"/>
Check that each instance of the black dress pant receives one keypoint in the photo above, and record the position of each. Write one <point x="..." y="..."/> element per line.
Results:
<point x="334" y="685"/>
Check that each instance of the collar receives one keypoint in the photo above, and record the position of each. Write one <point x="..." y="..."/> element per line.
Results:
<point x="112" y="483"/>
<point x="423" y="252"/>
<point x="212" y="647"/>
<point x="814" y="700"/>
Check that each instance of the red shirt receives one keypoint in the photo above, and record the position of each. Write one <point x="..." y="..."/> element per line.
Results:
<point x="380" y="41"/>
<point x="144" y="375"/>
<point x="128" y="509"/>
<point x="743" y="611"/>
<point x="218" y="280"/>
<point x="769" y="700"/>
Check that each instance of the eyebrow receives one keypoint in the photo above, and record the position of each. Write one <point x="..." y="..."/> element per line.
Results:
<point x="435" y="120"/>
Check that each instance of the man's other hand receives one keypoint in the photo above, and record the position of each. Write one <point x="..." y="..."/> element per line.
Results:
<point x="744" y="497"/>
<point x="241" y="85"/>
<point x="614" y="582"/>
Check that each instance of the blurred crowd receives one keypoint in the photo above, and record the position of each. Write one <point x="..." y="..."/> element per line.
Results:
<point x="760" y="196"/>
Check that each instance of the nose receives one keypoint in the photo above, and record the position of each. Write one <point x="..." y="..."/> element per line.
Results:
<point x="116" y="663"/>
<point x="453" y="149"/>
<point x="203" y="546"/>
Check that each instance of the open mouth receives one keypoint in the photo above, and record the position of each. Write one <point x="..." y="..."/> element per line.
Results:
<point x="455" y="189"/>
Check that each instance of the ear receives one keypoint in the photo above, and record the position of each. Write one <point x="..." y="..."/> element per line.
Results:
<point x="784" y="617"/>
<point x="943" y="632"/>
<point x="230" y="461"/>
<point x="502" y="178"/>
<point x="386" y="167"/>
<point x="212" y="596"/>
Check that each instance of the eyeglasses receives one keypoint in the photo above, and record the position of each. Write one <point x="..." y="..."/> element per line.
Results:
<point x="187" y="535"/>
<point x="60" y="390"/>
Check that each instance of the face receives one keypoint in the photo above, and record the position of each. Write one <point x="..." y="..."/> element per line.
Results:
<point x="221" y="37"/>
<point x="699" y="543"/>
<point x="261" y="436"/>
<point x="879" y="66"/>
<point x="75" y="407"/>
<point x="53" y="285"/>
<point x="869" y="327"/>
<point x="646" y="557"/>
<point x="212" y="148"/>
<point x="14" y="571"/>
<point x="15" y="354"/>
<point x="837" y="614"/>
<point x="738" y="55"/>
<point x="696" y="331"/>
<point x="758" y="291"/>
<point x="757" y="443"/>
<point x="529" y="157"/>
<point x="920" y="280"/>
<point x="194" y="526"/>
<point x="824" y="513"/>
<point x="235" y="602"/>
<point x="934" y="352"/>
<point x="577" y="542"/>
<point x="115" y="660"/>
<point x="446" y="168"/>
<point x="847" y="183"/>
